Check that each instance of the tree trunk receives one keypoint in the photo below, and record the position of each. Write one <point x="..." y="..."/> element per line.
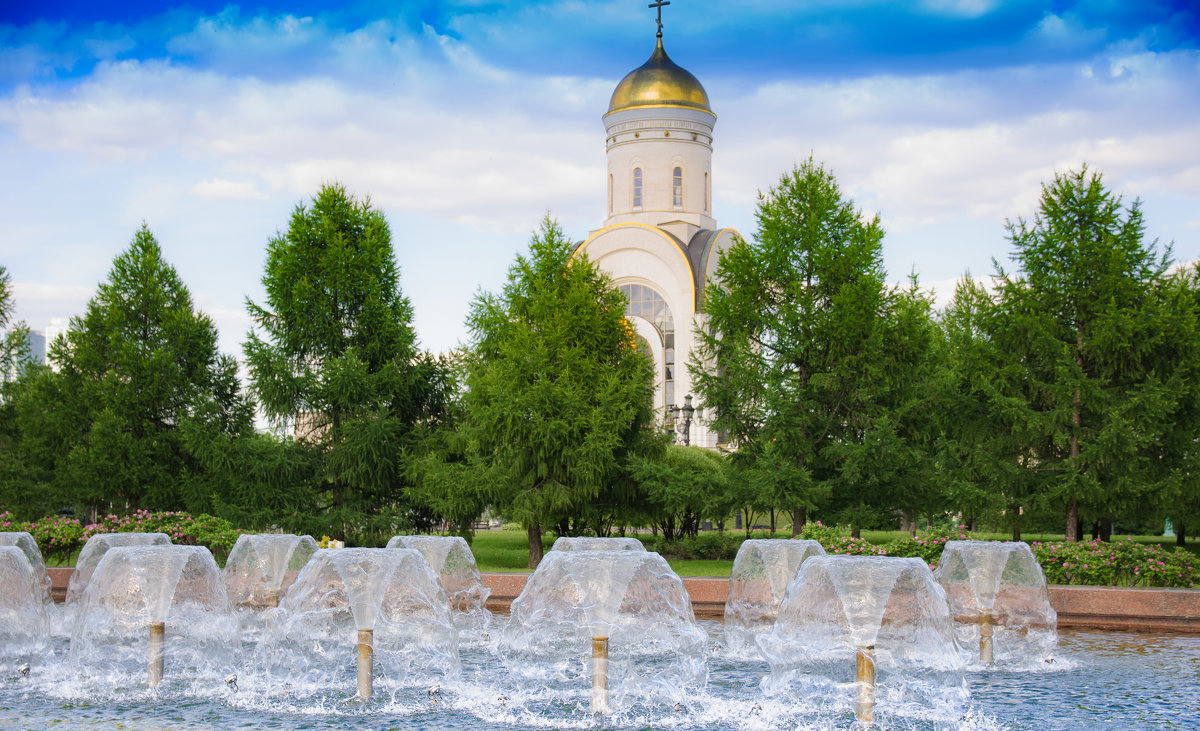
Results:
<point x="1073" y="528"/>
<point x="1095" y="530"/>
<point x="772" y="522"/>
<point x="856" y="532"/>
<point x="1015" y="510"/>
<point x="1181" y="535"/>
<point x="534" y="532"/>
<point x="799" y="518"/>
<point x="1106" y="531"/>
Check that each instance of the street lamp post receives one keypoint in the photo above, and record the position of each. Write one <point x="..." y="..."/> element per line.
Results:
<point x="686" y="411"/>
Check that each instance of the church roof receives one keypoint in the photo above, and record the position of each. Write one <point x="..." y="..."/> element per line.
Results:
<point x="659" y="82"/>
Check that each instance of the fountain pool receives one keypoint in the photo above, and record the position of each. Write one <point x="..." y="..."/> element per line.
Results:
<point x="1097" y="680"/>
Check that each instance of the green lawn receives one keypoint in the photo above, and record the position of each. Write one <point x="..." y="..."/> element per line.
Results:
<point x="507" y="551"/>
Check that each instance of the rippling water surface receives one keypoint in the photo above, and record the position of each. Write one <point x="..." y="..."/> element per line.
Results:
<point x="1097" y="680"/>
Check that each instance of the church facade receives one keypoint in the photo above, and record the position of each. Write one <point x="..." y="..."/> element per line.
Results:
<point x="660" y="241"/>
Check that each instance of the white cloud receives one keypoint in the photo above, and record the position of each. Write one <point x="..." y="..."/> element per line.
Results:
<point x="219" y="188"/>
<point x="465" y="156"/>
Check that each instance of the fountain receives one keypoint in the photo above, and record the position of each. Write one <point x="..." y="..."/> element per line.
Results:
<point x="596" y="623"/>
<point x="629" y="603"/>
<point x="94" y="550"/>
<point x="452" y="561"/>
<point x="385" y="602"/>
<point x="998" y="595"/>
<point x="877" y="624"/>
<point x="761" y="573"/>
<point x="24" y="621"/>
<point x="146" y="602"/>
<point x="29" y="547"/>
<point x="260" y="568"/>
<point x="588" y="543"/>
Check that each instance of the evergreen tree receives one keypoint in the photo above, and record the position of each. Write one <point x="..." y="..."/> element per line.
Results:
<point x="1081" y="315"/>
<point x="14" y="342"/>
<point x="811" y="363"/>
<point x="135" y="373"/>
<point x="337" y="361"/>
<point x="558" y="397"/>
<point x="683" y="486"/>
<point x="980" y="444"/>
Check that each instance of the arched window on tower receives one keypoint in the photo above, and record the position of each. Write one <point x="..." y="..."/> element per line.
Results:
<point x="649" y="305"/>
<point x="677" y="187"/>
<point x="706" y="203"/>
<point x="637" y="187"/>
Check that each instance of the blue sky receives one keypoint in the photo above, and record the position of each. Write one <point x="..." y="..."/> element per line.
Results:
<point x="467" y="121"/>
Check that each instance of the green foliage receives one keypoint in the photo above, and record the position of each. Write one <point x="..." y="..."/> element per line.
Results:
<point x="928" y="544"/>
<point x="557" y="395"/>
<point x="1090" y="381"/>
<point x="706" y="546"/>
<point x="14" y="344"/>
<point x="135" y="374"/>
<point x="60" y="539"/>
<point x="812" y="364"/>
<point x="837" y="539"/>
<point x="334" y="359"/>
<point x="683" y="485"/>
<point x="1117" y="563"/>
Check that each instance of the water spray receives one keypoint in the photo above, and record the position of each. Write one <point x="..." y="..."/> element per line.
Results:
<point x="366" y="655"/>
<point x="158" y="631"/>
<point x="864" y="707"/>
<point x="599" y="675"/>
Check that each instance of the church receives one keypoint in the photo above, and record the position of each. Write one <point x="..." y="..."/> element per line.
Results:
<point x="660" y="241"/>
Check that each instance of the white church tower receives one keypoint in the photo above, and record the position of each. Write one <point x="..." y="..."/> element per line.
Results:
<point x="660" y="241"/>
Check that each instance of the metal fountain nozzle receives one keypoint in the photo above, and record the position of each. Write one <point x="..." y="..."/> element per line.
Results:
<point x="231" y="681"/>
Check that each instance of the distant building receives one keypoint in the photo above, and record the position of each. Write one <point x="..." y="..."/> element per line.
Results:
<point x="660" y="241"/>
<point x="36" y="343"/>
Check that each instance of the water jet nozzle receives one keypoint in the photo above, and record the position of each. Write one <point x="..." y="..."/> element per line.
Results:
<point x="231" y="681"/>
<point x="24" y="670"/>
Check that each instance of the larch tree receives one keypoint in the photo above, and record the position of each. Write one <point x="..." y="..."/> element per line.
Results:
<point x="111" y="429"/>
<point x="334" y="358"/>
<point x="557" y="395"/>
<point x="810" y="360"/>
<point x="1082" y="316"/>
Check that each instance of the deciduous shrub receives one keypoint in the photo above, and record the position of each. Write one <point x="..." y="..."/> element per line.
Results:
<point x="1117" y="563"/>
<point x="60" y="539"/>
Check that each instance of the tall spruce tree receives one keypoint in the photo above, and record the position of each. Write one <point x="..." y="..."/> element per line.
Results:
<point x="812" y="364"/>
<point x="110" y="429"/>
<point x="337" y="362"/>
<point x="1082" y="317"/>
<point x="558" y="397"/>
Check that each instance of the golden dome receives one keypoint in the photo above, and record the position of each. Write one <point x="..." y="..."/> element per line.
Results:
<point x="659" y="82"/>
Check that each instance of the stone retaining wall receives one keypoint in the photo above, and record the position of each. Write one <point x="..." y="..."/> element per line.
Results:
<point x="1099" y="607"/>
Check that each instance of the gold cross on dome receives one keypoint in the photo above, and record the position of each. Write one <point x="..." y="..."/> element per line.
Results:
<point x="658" y="4"/>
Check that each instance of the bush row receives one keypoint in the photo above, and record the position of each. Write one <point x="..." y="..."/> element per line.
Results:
<point x="1093" y="563"/>
<point x="60" y="539"/>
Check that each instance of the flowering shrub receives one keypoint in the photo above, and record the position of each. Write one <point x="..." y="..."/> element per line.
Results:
<point x="928" y="544"/>
<point x="60" y="539"/>
<point x="1117" y="563"/>
<point x="838" y="540"/>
